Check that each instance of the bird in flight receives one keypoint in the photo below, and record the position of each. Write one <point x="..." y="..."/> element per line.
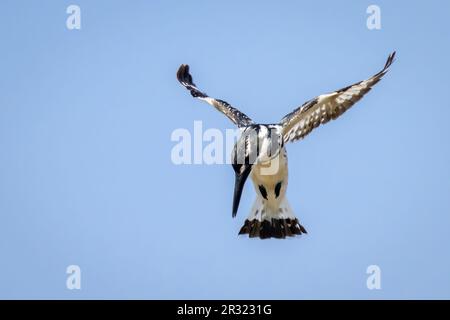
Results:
<point x="261" y="154"/>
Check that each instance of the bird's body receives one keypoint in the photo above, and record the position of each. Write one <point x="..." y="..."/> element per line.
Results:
<point x="271" y="214"/>
<point x="271" y="187"/>
<point x="261" y="154"/>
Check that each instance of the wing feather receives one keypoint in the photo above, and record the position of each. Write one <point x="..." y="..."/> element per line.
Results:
<point x="236" y="116"/>
<point x="326" y="107"/>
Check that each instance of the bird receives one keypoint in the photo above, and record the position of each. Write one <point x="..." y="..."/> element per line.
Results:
<point x="260" y="151"/>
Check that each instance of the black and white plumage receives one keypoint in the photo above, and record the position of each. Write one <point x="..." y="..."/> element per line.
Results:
<point x="325" y="107"/>
<point x="260" y="151"/>
<point x="238" y="118"/>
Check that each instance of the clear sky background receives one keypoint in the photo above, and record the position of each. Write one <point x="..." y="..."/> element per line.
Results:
<point x="86" y="176"/>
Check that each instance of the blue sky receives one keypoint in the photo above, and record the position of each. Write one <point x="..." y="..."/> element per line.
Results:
<point x="86" y="176"/>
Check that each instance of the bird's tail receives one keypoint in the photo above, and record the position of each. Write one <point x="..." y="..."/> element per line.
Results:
<point x="267" y="222"/>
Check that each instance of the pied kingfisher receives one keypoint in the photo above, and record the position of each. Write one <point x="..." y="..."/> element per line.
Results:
<point x="260" y="151"/>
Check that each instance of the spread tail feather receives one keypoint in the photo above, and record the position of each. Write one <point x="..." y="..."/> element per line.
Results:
<point x="264" y="222"/>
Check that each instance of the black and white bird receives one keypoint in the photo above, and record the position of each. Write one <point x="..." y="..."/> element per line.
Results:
<point x="260" y="151"/>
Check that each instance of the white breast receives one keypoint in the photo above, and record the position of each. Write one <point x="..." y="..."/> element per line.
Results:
<point x="269" y="174"/>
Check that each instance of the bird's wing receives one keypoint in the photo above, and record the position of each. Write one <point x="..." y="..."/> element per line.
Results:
<point x="238" y="118"/>
<point x="300" y="122"/>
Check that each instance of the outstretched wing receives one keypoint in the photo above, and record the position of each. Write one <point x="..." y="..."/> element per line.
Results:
<point x="300" y="122"/>
<point x="238" y="118"/>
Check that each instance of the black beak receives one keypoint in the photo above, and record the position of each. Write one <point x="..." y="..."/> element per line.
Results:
<point x="239" y="182"/>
